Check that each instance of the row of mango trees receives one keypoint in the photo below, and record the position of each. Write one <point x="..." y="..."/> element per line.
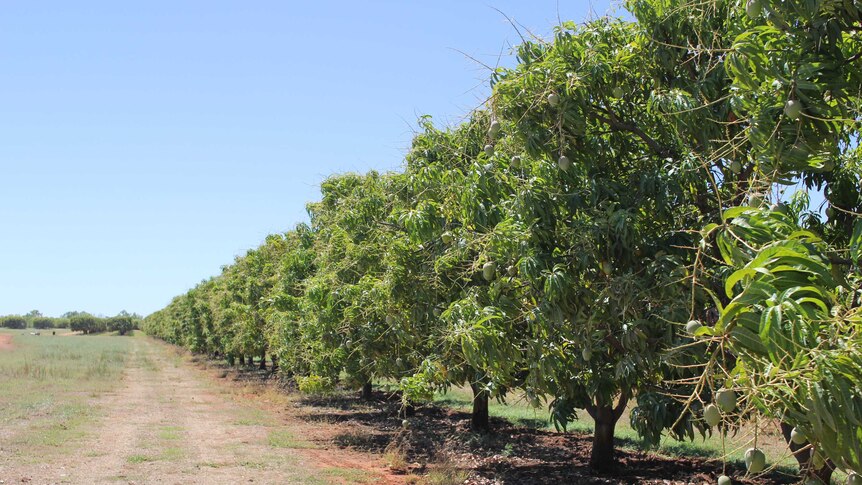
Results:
<point x="608" y="231"/>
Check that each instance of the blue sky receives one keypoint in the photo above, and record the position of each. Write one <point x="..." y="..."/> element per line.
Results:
<point x="144" y="146"/>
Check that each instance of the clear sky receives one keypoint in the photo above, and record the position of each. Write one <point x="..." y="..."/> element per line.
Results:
<point x="144" y="146"/>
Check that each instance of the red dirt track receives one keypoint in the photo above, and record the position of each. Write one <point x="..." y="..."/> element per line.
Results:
<point x="6" y="342"/>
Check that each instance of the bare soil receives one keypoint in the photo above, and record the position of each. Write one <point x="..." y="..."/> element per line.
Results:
<point x="6" y="342"/>
<point x="171" y="423"/>
<point x="440" y="439"/>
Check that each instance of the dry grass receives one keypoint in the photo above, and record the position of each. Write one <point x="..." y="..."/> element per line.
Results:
<point x="47" y="386"/>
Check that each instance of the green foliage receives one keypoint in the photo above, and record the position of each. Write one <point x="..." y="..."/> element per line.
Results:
<point x="556" y="242"/>
<point x="314" y="384"/>
<point x="120" y="324"/>
<point x="790" y="332"/>
<point x="45" y="322"/>
<point x="13" y="321"/>
<point x="87" y="324"/>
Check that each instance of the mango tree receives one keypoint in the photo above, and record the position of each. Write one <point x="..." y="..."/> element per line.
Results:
<point x="348" y="316"/>
<point x="458" y="181"/>
<point x="286" y="315"/>
<point x="608" y="189"/>
<point x="785" y="311"/>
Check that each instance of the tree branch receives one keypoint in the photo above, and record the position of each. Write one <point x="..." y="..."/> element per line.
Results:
<point x="621" y="405"/>
<point x="616" y="124"/>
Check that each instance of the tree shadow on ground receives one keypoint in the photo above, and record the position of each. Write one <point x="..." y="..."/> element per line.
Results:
<point x="511" y="454"/>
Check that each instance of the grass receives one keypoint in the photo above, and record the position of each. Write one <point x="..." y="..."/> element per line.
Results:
<point x="446" y="474"/>
<point x="138" y="459"/>
<point x="348" y="475"/>
<point x="249" y="416"/>
<point x="280" y="438"/>
<point x="47" y="384"/>
<point x="167" y="454"/>
<point x="170" y="433"/>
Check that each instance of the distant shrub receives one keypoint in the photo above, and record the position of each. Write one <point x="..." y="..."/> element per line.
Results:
<point x="13" y="321"/>
<point x="121" y="325"/>
<point x="87" y="324"/>
<point x="44" y="322"/>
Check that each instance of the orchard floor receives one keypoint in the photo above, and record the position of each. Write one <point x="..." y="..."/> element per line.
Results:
<point x="439" y="443"/>
<point x="437" y="446"/>
<point x="161" y="420"/>
<point x="155" y="414"/>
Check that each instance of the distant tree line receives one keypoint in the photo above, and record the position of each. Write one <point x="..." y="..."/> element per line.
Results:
<point x="123" y="323"/>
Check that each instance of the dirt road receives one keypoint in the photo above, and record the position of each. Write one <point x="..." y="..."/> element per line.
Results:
<point x="172" y="423"/>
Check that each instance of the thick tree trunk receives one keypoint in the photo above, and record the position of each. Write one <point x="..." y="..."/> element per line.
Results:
<point x="803" y="456"/>
<point x="249" y="360"/>
<point x="231" y="360"/>
<point x="262" y="360"/>
<point x="480" y="419"/>
<point x="241" y="360"/>
<point x="274" y="360"/>
<point x="602" y="456"/>
<point x="366" y="390"/>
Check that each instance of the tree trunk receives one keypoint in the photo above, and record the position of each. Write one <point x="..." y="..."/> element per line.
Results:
<point x="407" y="410"/>
<point x="262" y="360"/>
<point x="241" y="360"/>
<point x="249" y="360"/>
<point x="231" y="360"/>
<point x="803" y="456"/>
<point x="274" y="360"/>
<point x="366" y="391"/>
<point x="602" y="456"/>
<point x="480" y="419"/>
